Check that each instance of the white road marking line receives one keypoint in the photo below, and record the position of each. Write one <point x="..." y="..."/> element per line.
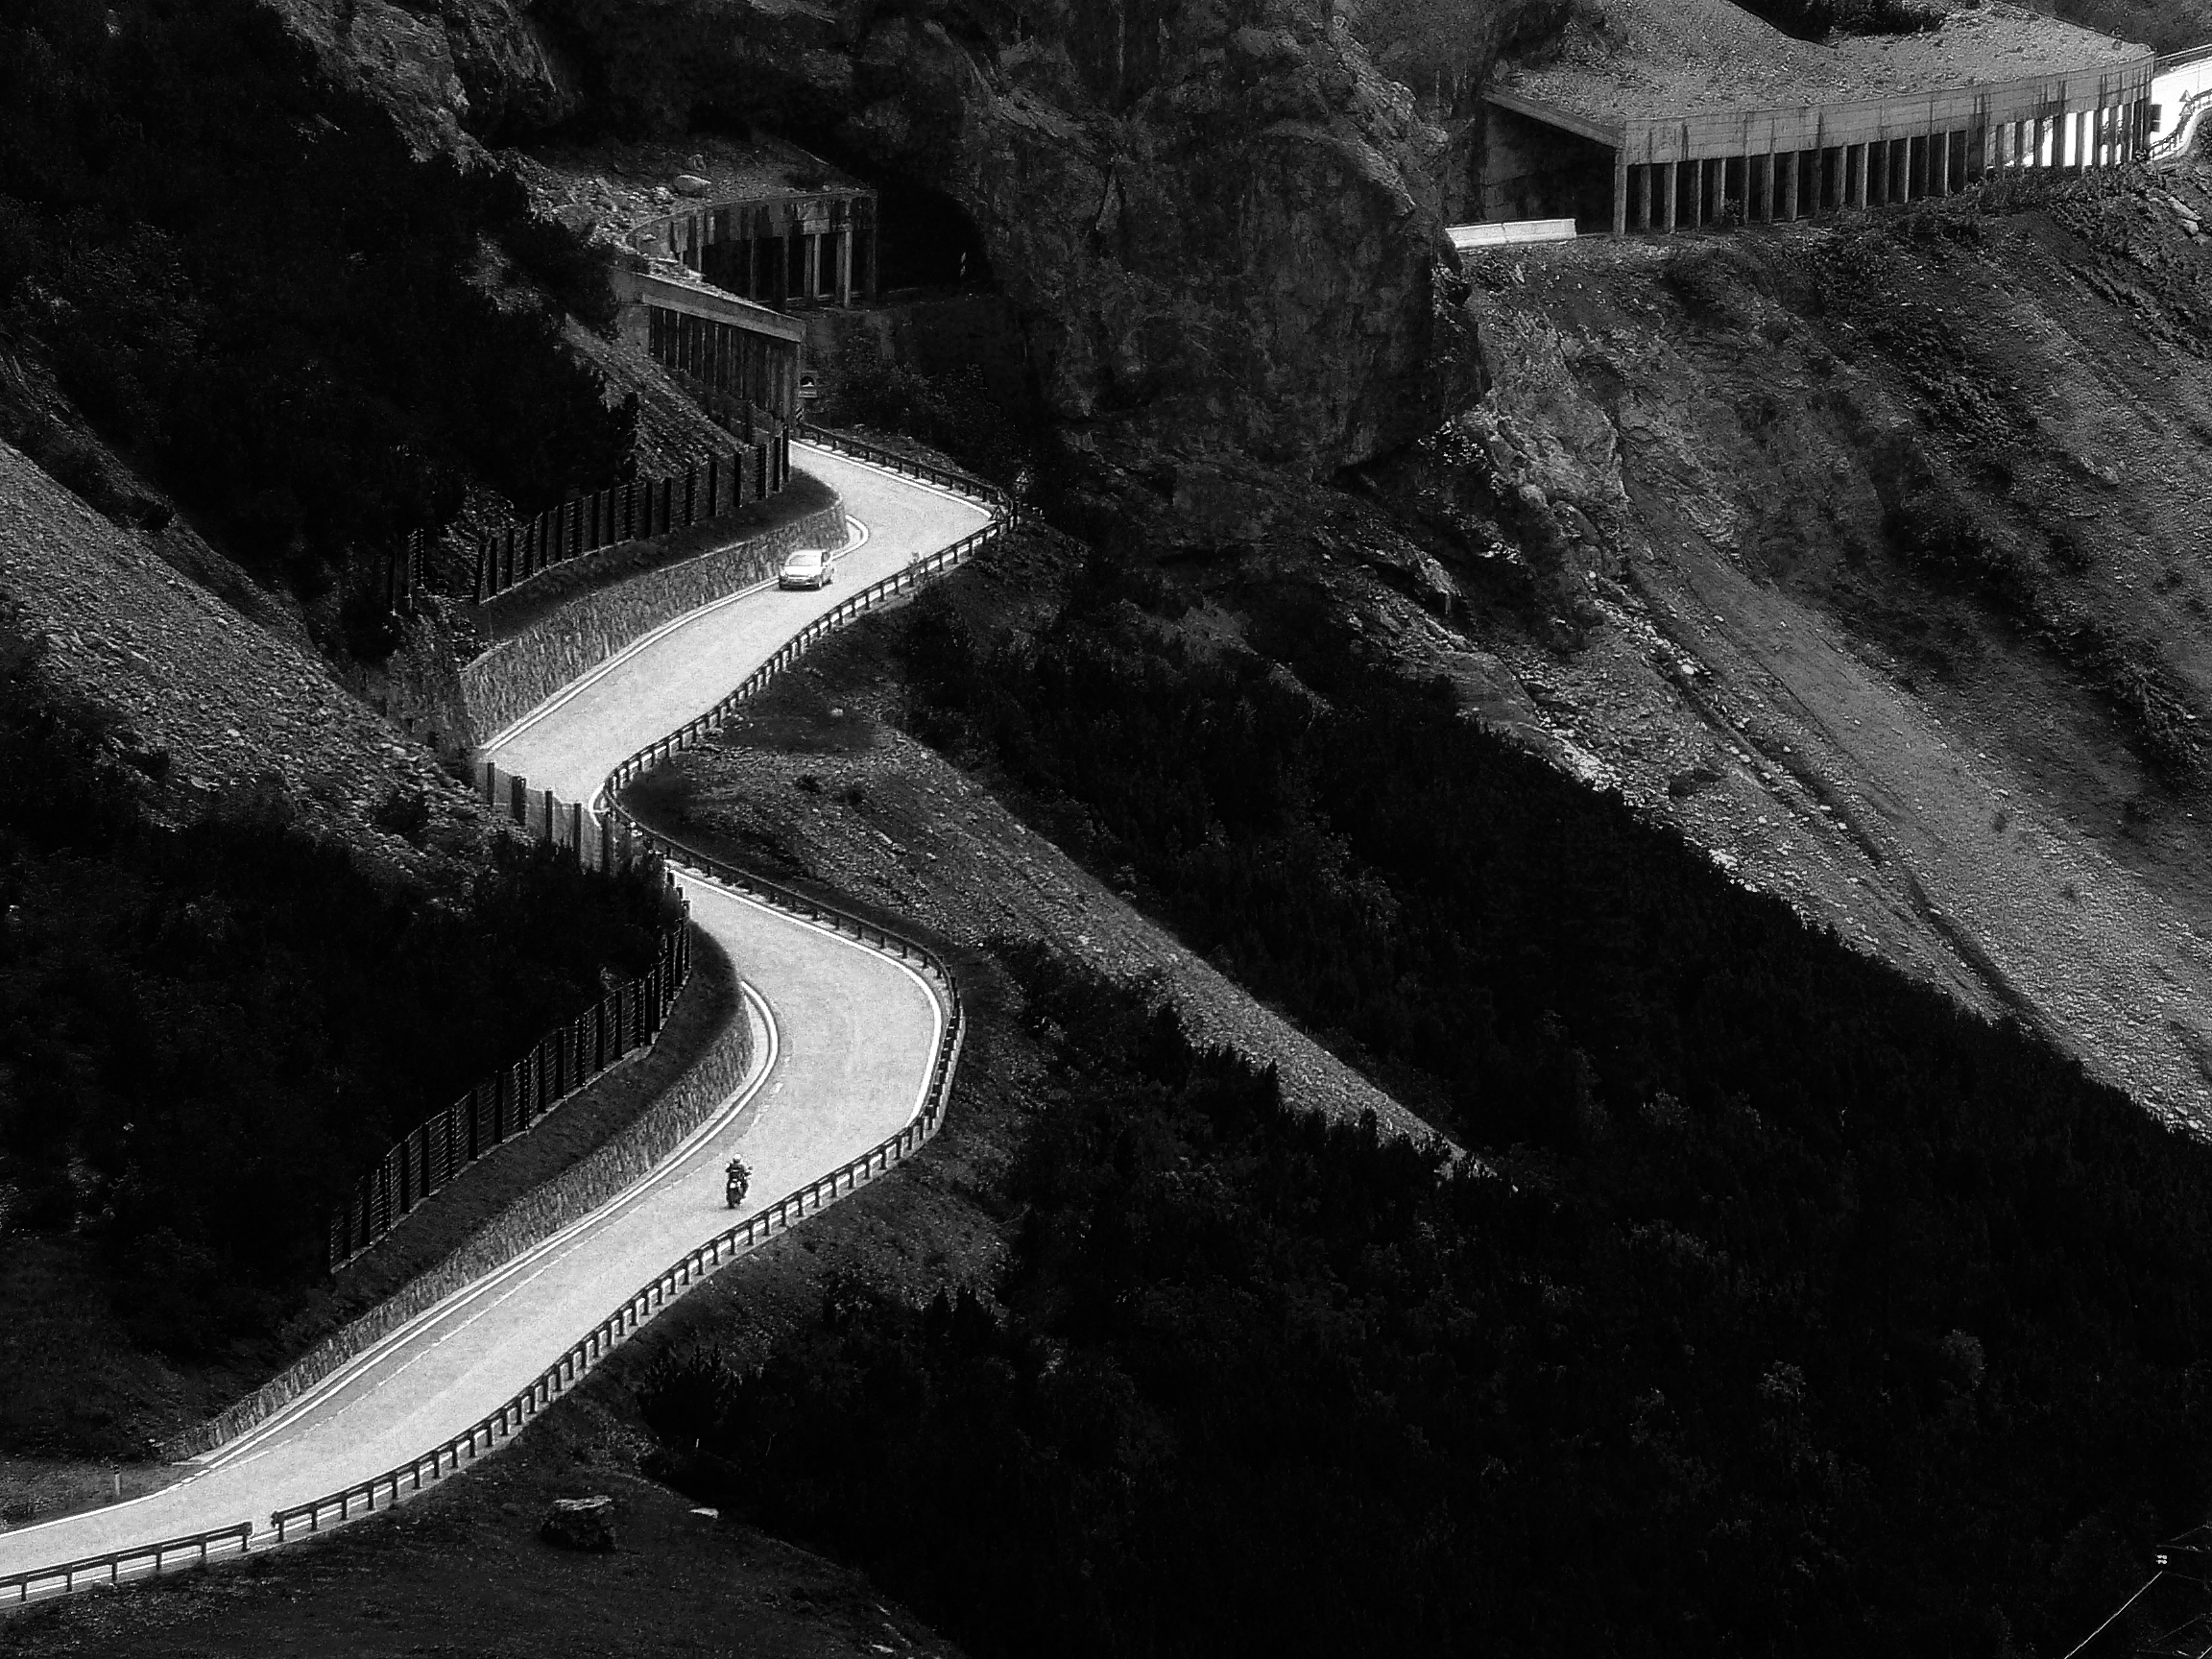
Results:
<point x="591" y="676"/>
<point x="342" y="1388"/>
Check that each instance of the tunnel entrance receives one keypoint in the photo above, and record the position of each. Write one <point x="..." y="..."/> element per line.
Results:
<point x="924" y="238"/>
<point x="928" y="240"/>
<point x="1530" y="170"/>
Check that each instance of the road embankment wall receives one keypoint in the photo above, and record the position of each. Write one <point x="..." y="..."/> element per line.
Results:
<point x="518" y="674"/>
<point x="537" y="1215"/>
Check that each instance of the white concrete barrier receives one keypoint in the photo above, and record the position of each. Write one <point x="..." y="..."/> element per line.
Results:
<point x="1509" y="233"/>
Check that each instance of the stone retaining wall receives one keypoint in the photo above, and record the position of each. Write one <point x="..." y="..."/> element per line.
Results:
<point x="517" y="675"/>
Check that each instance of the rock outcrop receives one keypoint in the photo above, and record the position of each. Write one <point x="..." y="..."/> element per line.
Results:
<point x="1213" y="218"/>
<point x="464" y="72"/>
<point x="585" y="1523"/>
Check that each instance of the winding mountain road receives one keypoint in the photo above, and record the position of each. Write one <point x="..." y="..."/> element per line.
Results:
<point x="845" y="1041"/>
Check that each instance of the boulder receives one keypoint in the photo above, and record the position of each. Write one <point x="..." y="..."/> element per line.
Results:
<point x="580" y="1524"/>
<point x="690" y="184"/>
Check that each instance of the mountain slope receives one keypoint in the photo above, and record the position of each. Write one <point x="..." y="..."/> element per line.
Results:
<point x="1872" y="557"/>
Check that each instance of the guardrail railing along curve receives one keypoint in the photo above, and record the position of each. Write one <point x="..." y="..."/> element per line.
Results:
<point x="112" y="1564"/>
<point x="497" y="1428"/>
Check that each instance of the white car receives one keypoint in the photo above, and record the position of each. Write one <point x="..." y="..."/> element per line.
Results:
<point x="809" y="568"/>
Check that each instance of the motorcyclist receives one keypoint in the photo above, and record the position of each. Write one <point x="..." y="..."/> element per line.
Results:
<point x="738" y="1177"/>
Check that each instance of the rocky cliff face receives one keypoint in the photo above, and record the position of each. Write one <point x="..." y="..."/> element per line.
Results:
<point x="1212" y="212"/>
<point x="1211" y="215"/>
<point x="454" y="75"/>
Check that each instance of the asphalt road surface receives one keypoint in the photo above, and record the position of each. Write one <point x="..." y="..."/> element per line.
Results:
<point x="845" y="1039"/>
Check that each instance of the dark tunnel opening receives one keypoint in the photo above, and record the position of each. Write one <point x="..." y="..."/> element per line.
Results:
<point x="926" y="239"/>
<point x="923" y="237"/>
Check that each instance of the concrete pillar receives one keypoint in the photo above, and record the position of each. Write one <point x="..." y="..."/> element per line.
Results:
<point x="1645" y="219"/>
<point x="1715" y="188"/>
<point x="1904" y="175"/>
<point x="1765" y="186"/>
<point x="1667" y="193"/>
<point x="1790" y="185"/>
<point x="1988" y="151"/>
<point x="845" y="265"/>
<point x="1620" y="192"/>
<point x="1857" y="195"/>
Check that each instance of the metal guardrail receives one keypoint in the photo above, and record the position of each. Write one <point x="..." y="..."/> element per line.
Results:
<point x="112" y="1563"/>
<point x="495" y="1429"/>
<point x="498" y="1427"/>
<point x="2160" y="64"/>
<point x="889" y="460"/>
<point x="2180" y="137"/>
